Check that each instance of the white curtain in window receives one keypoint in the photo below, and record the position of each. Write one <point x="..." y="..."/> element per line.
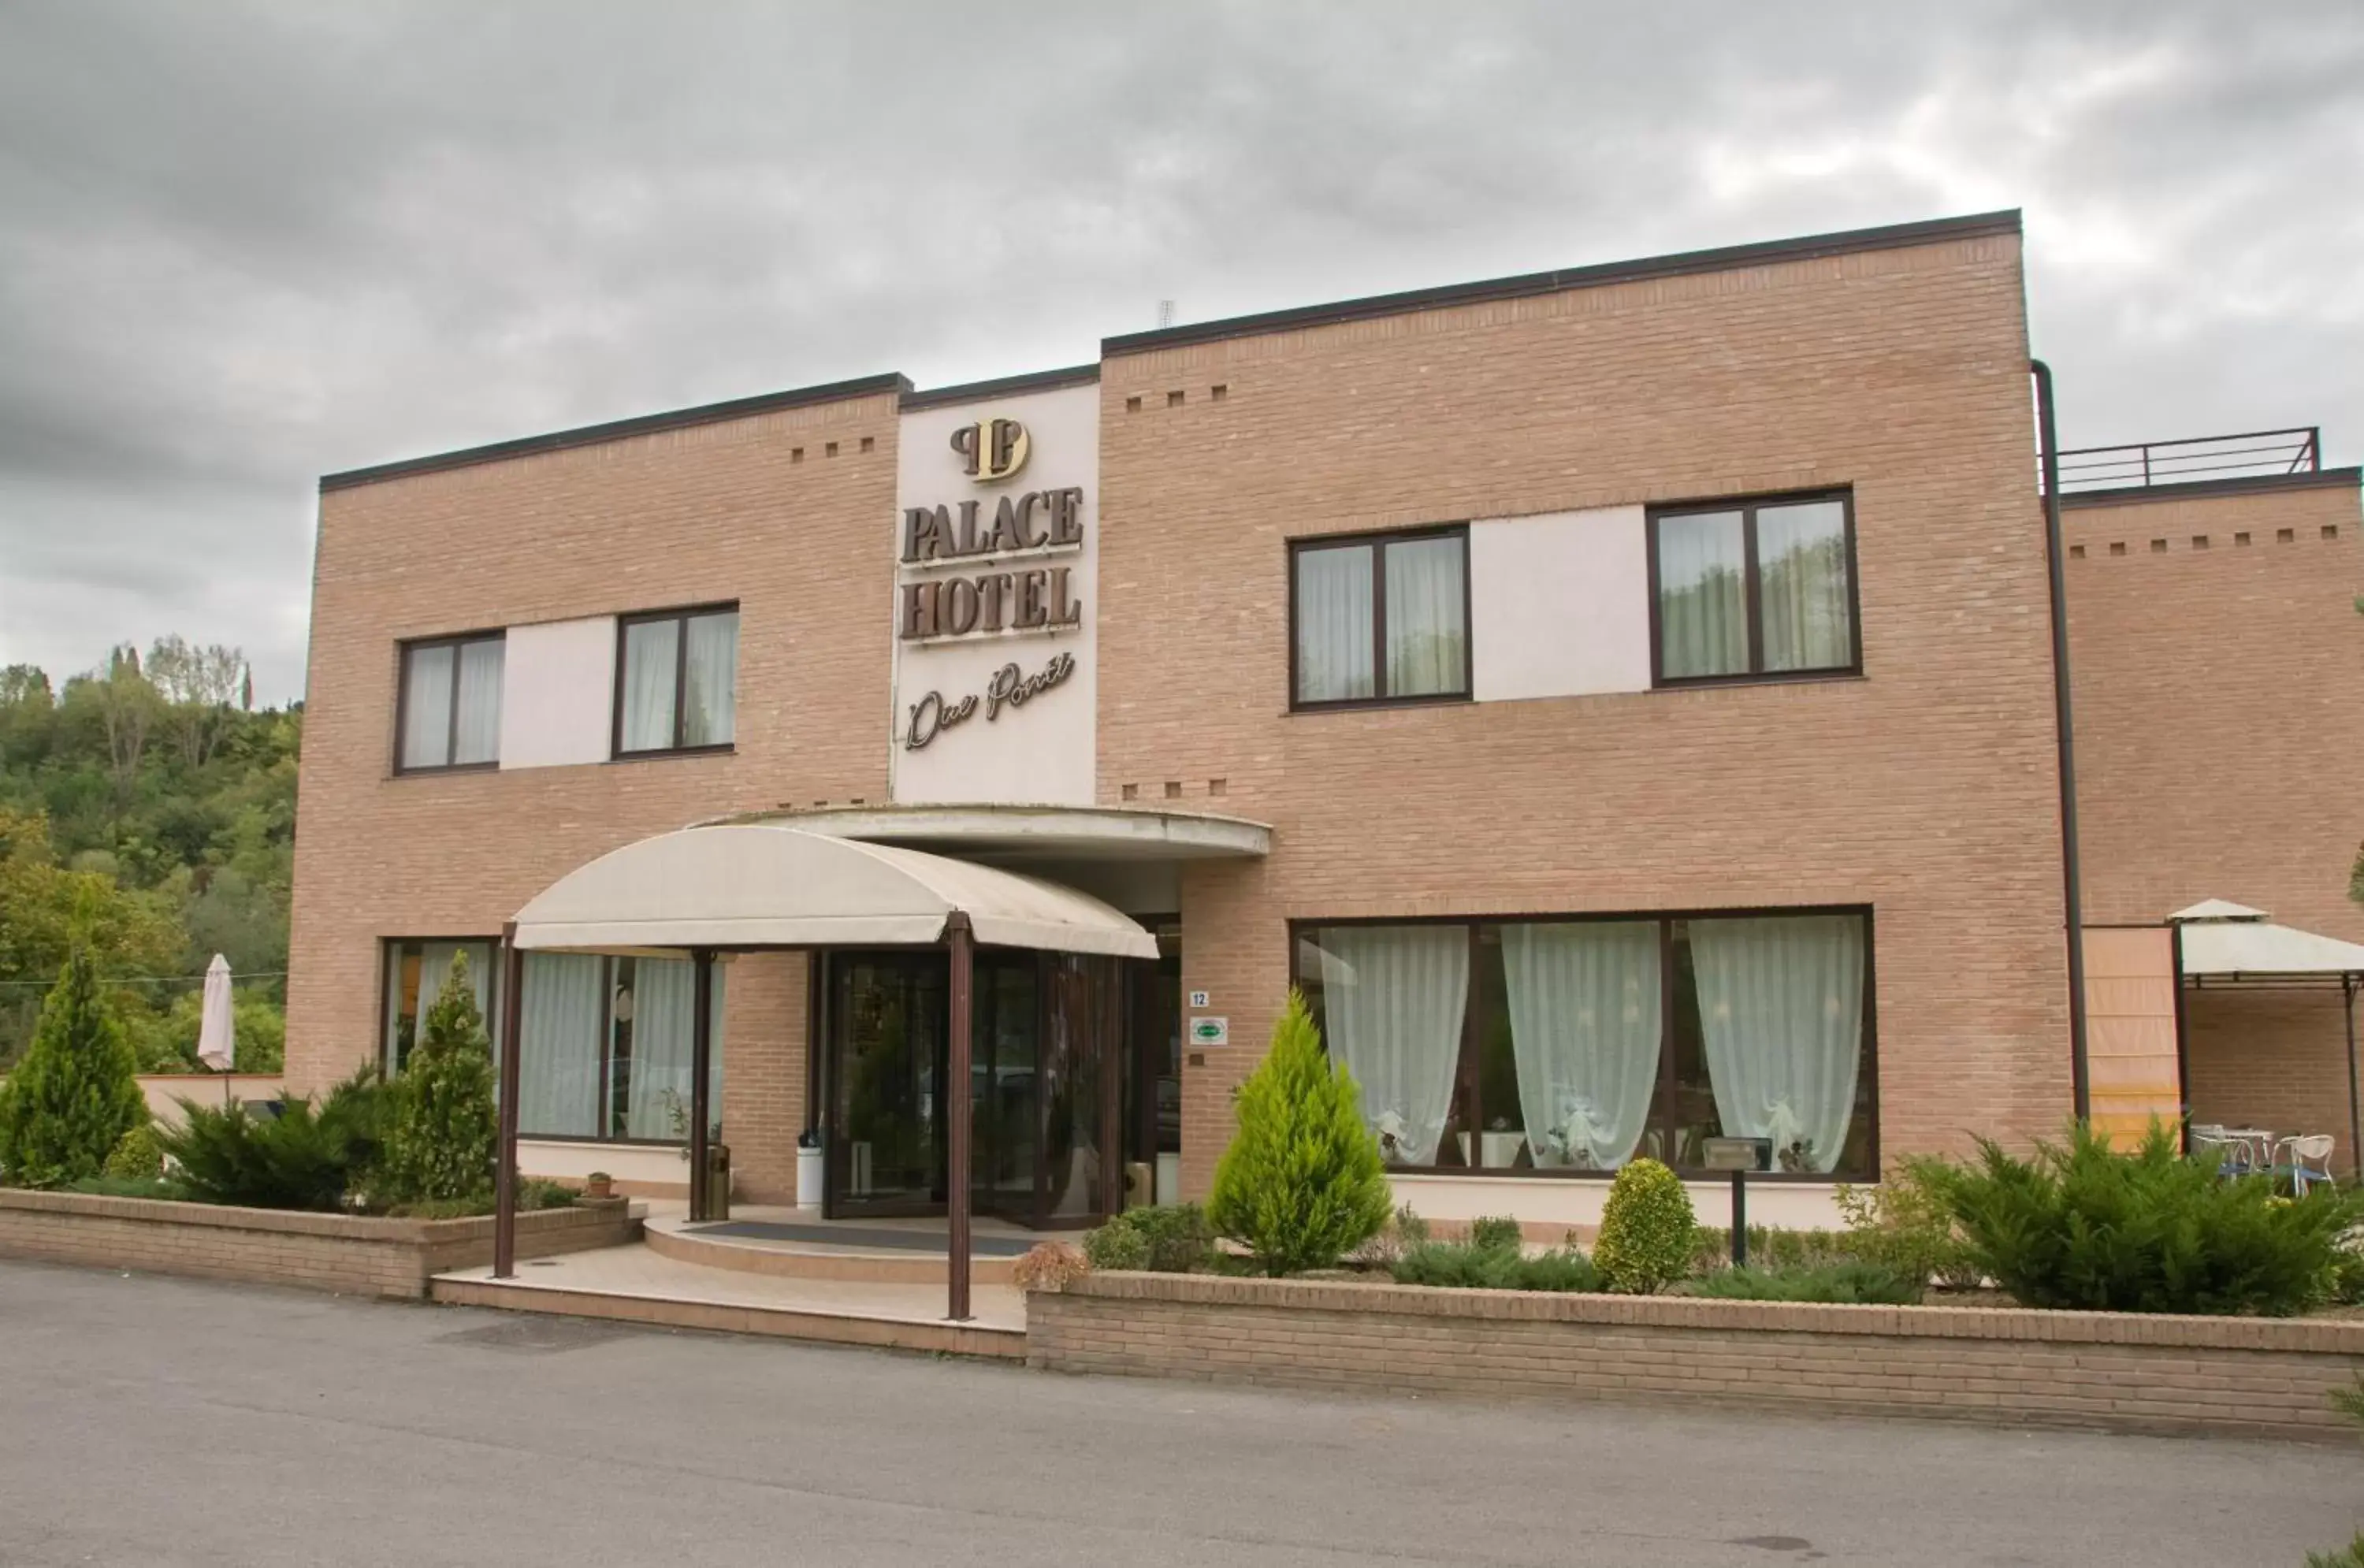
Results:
<point x="1392" y="999"/>
<point x="479" y="739"/>
<point x="1584" y="1031"/>
<point x="1426" y="630"/>
<point x="1781" y="1006"/>
<point x="427" y="707"/>
<point x="662" y="1026"/>
<point x="710" y="701"/>
<point x="1802" y="575"/>
<point x="435" y="963"/>
<point x="1703" y="595"/>
<point x="652" y="649"/>
<point x="1333" y="624"/>
<point x="560" y="1047"/>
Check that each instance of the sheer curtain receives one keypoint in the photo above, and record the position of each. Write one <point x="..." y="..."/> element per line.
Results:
<point x="479" y="739"/>
<point x="1333" y="624"/>
<point x="1584" y="1030"/>
<point x="1426" y="632"/>
<point x="1702" y="604"/>
<point x="1802" y="570"/>
<point x="1781" y="1006"/>
<point x="559" y="1044"/>
<point x="662" y="990"/>
<point x="1392" y="998"/>
<point x="710" y="704"/>
<point x="435" y="963"/>
<point x="427" y="708"/>
<point x="652" y="648"/>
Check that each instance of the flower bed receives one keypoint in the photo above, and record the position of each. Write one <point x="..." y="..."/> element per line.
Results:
<point x="347" y="1253"/>
<point x="2017" y="1365"/>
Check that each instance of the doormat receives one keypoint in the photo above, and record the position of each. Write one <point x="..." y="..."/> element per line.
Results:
<point x="858" y="1235"/>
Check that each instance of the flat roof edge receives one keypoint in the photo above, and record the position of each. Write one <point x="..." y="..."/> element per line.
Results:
<point x="1003" y="386"/>
<point x="1727" y="258"/>
<point x="618" y="429"/>
<point x="2239" y="484"/>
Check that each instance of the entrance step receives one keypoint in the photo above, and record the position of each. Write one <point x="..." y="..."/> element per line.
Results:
<point x="832" y="1250"/>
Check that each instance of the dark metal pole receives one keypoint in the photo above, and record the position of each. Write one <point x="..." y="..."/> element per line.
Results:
<point x="701" y="1058"/>
<point x="505" y="1160"/>
<point x="1739" y="1218"/>
<point x="2072" y="892"/>
<point x="2347" y="984"/>
<point x="956" y="1118"/>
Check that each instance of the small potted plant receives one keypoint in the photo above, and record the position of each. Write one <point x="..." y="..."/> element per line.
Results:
<point x="598" y="1184"/>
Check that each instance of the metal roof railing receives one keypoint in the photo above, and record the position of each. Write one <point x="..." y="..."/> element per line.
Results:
<point x="2249" y="455"/>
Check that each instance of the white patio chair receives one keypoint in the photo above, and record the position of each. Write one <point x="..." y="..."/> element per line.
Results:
<point x="2310" y="1159"/>
<point x="2210" y="1141"/>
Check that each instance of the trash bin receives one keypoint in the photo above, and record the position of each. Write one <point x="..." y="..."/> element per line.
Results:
<point x="717" y="1181"/>
<point x="808" y="1177"/>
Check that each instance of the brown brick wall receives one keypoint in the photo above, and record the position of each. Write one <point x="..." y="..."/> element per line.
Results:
<point x="2165" y="1375"/>
<point x="316" y="1252"/>
<point x="2219" y="696"/>
<point x="722" y="511"/>
<point x="1928" y="788"/>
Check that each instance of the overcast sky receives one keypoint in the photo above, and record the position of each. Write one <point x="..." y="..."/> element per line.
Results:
<point x="242" y="245"/>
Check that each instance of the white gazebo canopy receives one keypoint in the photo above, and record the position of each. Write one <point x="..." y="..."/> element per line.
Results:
<point x="755" y="885"/>
<point x="2226" y="940"/>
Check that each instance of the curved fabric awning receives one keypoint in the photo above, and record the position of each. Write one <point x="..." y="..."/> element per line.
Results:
<point x="758" y="886"/>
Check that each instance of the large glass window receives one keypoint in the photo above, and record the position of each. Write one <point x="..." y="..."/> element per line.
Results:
<point x="1579" y="1044"/>
<point x="1380" y="619"/>
<point x="1753" y="589"/>
<point x="676" y="682"/>
<point x="451" y="704"/>
<point x="604" y="1043"/>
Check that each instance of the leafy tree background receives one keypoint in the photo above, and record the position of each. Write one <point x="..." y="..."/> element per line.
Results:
<point x="149" y="805"/>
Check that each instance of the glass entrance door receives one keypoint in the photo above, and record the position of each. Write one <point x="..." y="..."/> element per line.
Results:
<point x="885" y="1142"/>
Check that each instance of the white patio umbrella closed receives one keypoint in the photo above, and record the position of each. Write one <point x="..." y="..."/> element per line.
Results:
<point x="216" y="1040"/>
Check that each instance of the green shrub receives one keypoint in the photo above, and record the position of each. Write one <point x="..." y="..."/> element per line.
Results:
<point x="73" y="1095"/>
<point x="2349" y="1556"/>
<point x="1497" y="1233"/>
<point x="2347" y="1270"/>
<point x="1468" y="1266"/>
<point x="137" y="1157"/>
<point x="2083" y="1225"/>
<point x="1301" y="1185"/>
<point x="1774" y="1249"/>
<point x="308" y="1156"/>
<point x="1854" y="1281"/>
<point x="1116" y="1245"/>
<point x="1647" y="1230"/>
<point x="533" y="1192"/>
<point x="443" y="1132"/>
<point x="1180" y="1240"/>
<point x="127" y="1187"/>
<point x="1403" y="1231"/>
<point x="1904" y="1222"/>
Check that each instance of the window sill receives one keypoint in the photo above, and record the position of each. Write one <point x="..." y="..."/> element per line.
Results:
<point x="1365" y="704"/>
<point x="725" y="749"/>
<point x="447" y="770"/>
<point x="1693" y="1174"/>
<point x="1780" y="678"/>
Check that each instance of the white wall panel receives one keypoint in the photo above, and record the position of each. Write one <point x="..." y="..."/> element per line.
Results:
<point x="558" y="693"/>
<point x="1559" y="605"/>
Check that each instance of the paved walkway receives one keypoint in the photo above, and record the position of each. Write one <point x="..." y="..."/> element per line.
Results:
<point x="157" y="1421"/>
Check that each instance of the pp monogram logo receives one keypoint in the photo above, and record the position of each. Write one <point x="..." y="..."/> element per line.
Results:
<point x="991" y="450"/>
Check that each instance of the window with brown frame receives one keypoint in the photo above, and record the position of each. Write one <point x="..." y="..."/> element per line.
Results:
<point x="1567" y="1046"/>
<point x="1754" y="590"/>
<point x="676" y="680"/>
<point x="447" y="708"/>
<point x="1379" y="618"/>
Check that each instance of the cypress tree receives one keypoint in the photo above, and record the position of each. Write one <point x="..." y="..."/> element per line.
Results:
<point x="73" y="1096"/>
<point x="1302" y="1184"/>
<point x="442" y="1142"/>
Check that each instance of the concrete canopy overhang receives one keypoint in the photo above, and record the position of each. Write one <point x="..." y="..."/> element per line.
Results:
<point x="1036" y="833"/>
<point x="749" y="886"/>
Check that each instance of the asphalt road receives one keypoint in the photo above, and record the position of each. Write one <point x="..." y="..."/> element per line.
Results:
<point x="161" y="1421"/>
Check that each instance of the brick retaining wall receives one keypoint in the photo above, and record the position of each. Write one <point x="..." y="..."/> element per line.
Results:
<point x="2005" y="1366"/>
<point x="318" y="1252"/>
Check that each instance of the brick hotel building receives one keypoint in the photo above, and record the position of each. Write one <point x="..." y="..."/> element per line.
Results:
<point x="1623" y="698"/>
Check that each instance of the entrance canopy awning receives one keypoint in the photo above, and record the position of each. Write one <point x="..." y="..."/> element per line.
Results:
<point x="2231" y="941"/>
<point x="759" y="886"/>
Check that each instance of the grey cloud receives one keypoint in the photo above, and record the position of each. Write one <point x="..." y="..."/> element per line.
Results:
<point x="244" y="244"/>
